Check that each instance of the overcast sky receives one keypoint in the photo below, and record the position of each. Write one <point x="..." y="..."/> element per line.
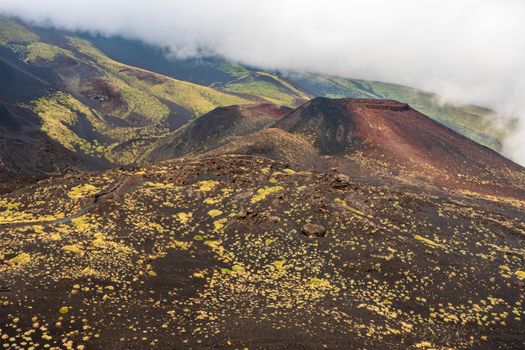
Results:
<point x="470" y="51"/>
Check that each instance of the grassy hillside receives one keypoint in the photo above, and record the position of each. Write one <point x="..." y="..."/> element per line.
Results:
<point x="135" y="53"/>
<point x="92" y="104"/>
<point x="268" y="87"/>
<point x="199" y="99"/>
<point x="210" y="71"/>
<point x="12" y="33"/>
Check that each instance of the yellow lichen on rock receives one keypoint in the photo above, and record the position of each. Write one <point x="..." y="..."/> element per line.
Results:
<point x="181" y="245"/>
<point x="278" y="267"/>
<point x="214" y="213"/>
<point x="184" y="218"/>
<point x="424" y="345"/>
<point x="73" y="248"/>
<point x="428" y="241"/>
<point x="21" y="259"/>
<point x="55" y="237"/>
<point x="82" y="223"/>
<point x="218" y="225"/>
<point x="99" y="243"/>
<point x="213" y="244"/>
<point x="264" y="192"/>
<point x="159" y="185"/>
<point x="207" y="185"/>
<point x="198" y="275"/>
<point x="82" y="191"/>
<point x="520" y="274"/>
<point x="217" y="248"/>
<point x="89" y="272"/>
<point x="211" y="200"/>
<point x="238" y="268"/>
<point x="319" y="283"/>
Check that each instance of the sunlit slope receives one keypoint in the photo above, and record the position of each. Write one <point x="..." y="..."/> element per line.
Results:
<point x="267" y="87"/>
<point x="91" y="104"/>
<point x="393" y="137"/>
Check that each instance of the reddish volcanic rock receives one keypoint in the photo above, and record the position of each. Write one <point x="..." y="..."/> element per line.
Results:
<point x="269" y="110"/>
<point x="391" y="135"/>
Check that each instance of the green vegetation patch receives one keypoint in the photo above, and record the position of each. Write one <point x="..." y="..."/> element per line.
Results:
<point x="139" y="101"/>
<point x="267" y="87"/>
<point x="143" y="89"/>
<point x="45" y="52"/>
<point x="14" y="33"/>
<point x="234" y="69"/>
<point x="58" y="113"/>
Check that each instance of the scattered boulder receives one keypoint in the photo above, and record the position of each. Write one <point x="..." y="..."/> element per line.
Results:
<point x="275" y="219"/>
<point x="313" y="230"/>
<point x="242" y="214"/>
<point x="341" y="181"/>
<point x="342" y="178"/>
<point x="243" y="195"/>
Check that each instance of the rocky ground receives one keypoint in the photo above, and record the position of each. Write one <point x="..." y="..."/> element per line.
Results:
<point x="236" y="252"/>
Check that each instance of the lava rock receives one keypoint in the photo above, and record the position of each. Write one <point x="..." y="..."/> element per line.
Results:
<point x="243" y="213"/>
<point x="275" y="219"/>
<point x="313" y="230"/>
<point x="341" y="181"/>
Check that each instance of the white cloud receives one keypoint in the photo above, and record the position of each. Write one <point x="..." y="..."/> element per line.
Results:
<point x="470" y="51"/>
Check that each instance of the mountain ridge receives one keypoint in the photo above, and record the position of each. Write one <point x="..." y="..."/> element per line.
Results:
<point x="111" y="113"/>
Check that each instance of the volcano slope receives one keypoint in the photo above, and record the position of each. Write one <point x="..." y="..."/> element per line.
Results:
<point x="214" y="129"/>
<point x="242" y="251"/>
<point x="390" y="137"/>
<point x="26" y="152"/>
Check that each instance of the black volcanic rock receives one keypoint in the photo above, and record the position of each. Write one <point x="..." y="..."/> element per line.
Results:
<point x="214" y="129"/>
<point x="313" y="230"/>
<point x="325" y="123"/>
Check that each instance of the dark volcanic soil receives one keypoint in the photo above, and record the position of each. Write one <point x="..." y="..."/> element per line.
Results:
<point x="214" y="253"/>
<point x="27" y="153"/>
<point x="216" y="128"/>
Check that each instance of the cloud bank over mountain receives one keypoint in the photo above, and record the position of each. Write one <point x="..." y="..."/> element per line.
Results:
<point x="472" y="51"/>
